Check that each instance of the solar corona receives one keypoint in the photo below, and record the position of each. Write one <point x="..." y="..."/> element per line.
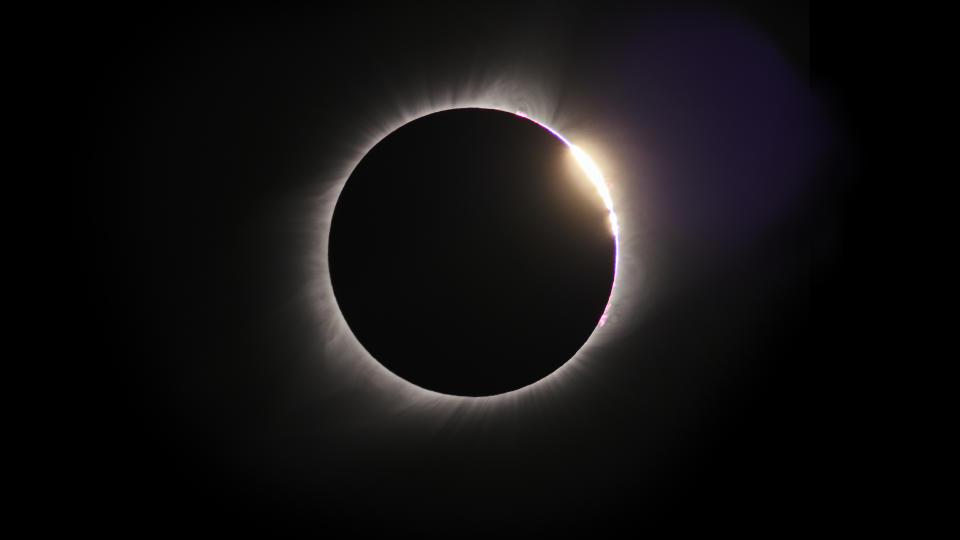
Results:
<point x="340" y="338"/>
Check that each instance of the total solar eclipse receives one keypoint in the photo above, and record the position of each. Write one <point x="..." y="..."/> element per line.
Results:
<point x="469" y="251"/>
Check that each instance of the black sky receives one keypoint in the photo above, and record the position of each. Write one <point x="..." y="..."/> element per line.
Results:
<point x="205" y="137"/>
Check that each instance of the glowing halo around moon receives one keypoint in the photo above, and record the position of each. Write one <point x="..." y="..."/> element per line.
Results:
<point x="344" y="351"/>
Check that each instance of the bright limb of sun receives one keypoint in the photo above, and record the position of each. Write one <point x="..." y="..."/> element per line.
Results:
<point x="596" y="178"/>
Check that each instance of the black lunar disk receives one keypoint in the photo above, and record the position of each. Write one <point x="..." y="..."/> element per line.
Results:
<point x="469" y="254"/>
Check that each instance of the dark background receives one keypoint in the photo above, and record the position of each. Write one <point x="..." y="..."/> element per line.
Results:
<point x="736" y="399"/>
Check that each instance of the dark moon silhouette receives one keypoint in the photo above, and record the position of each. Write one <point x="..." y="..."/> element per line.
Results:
<point x="469" y="254"/>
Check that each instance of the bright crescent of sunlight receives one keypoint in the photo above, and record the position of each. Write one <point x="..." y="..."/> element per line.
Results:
<point x="596" y="178"/>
